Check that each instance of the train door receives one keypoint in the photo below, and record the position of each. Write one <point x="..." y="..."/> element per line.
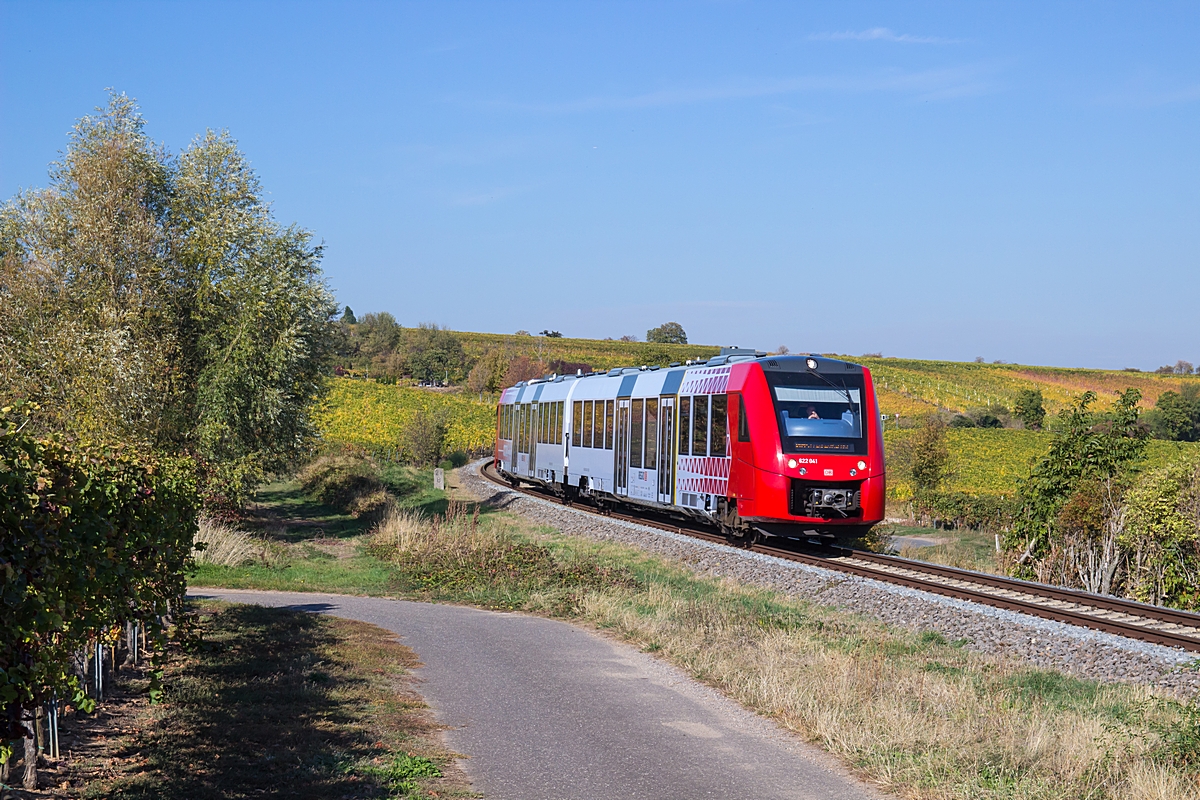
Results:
<point x="666" y="448"/>
<point x="621" y="486"/>
<point x="534" y="427"/>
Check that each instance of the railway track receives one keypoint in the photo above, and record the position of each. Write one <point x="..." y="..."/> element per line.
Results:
<point x="1126" y="618"/>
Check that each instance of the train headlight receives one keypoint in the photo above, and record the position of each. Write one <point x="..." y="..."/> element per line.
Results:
<point x="853" y="472"/>
<point x="862" y="465"/>
<point x="811" y="363"/>
<point x="803" y="470"/>
<point x="791" y="463"/>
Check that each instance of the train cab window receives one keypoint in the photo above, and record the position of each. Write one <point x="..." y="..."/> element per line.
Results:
<point x="719" y="441"/>
<point x="652" y="433"/>
<point x="608" y="424"/>
<point x="819" y="413"/>
<point x="743" y="421"/>
<point x="635" y="434"/>
<point x="700" y="425"/>
<point x="577" y="423"/>
<point x="685" y="426"/>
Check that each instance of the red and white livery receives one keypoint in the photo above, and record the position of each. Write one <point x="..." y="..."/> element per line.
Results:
<point x="778" y="445"/>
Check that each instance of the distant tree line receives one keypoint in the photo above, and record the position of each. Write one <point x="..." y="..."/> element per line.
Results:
<point x="378" y="347"/>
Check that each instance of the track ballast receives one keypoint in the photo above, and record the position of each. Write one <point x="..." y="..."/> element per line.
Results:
<point x="1164" y="626"/>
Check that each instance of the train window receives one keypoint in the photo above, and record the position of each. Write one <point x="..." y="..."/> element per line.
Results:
<point x="537" y="425"/>
<point x="635" y="434"/>
<point x="700" y="425"/>
<point x="608" y="424"/>
<point x="577" y="423"/>
<point x="558" y="423"/>
<point x="685" y="426"/>
<point x="652" y="433"/>
<point x="587" y="423"/>
<point x="543" y="418"/>
<point x="598" y="426"/>
<point x="719" y="444"/>
<point x="743" y="421"/>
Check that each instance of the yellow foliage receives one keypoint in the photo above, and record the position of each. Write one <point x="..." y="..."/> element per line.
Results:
<point x="373" y="415"/>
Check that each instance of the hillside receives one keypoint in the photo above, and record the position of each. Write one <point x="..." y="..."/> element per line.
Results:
<point x="909" y="387"/>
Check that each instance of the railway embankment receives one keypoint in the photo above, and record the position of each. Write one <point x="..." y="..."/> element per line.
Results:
<point x="993" y="632"/>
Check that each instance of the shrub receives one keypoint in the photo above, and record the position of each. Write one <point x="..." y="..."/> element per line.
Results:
<point x="424" y="439"/>
<point x="92" y="538"/>
<point x="349" y="482"/>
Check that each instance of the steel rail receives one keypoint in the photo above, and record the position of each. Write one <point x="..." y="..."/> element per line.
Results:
<point x="1126" y="618"/>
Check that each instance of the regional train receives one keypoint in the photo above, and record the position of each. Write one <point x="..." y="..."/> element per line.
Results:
<point x="754" y="444"/>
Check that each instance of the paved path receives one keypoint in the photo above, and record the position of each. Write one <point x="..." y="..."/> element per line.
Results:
<point x="548" y="711"/>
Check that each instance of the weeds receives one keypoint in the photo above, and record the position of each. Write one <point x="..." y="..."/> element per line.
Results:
<point x="224" y="545"/>
<point x="453" y="555"/>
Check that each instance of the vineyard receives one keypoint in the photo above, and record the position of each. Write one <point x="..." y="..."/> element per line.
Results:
<point x="373" y="416"/>
<point x="597" y="353"/>
<point x="908" y="387"/>
<point x="990" y="461"/>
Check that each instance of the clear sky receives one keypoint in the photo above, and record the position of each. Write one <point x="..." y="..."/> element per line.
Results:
<point x="1017" y="181"/>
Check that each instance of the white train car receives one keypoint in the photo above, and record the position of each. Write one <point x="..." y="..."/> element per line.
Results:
<point x="651" y="436"/>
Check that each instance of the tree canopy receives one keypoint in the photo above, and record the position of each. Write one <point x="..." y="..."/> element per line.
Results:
<point x="667" y="333"/>
<point x="152" y="300"/>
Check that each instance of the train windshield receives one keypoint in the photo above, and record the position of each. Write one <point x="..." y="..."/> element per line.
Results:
<point x="816" y="415"/>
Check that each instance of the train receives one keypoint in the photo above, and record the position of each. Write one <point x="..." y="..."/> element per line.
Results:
<point x="753" y="444"/>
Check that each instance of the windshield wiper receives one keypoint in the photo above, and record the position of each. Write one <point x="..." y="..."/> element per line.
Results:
<point x="845" y="392"/>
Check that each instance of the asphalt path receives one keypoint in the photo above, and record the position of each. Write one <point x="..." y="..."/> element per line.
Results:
<point x="543" y="710"/>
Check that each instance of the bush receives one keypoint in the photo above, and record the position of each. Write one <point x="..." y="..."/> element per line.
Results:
<point x="92" y="538"/>
<point x="348" y="482"/>
<point x="424" y="439"/>
<point x="962" y="510"/>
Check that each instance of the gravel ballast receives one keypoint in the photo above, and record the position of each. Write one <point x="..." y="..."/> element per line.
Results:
<point x="992" y="631"/>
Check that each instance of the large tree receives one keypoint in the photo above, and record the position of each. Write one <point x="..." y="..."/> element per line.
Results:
<point x="153" y="301"/>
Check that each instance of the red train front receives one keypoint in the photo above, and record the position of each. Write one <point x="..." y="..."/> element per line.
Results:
<point x="807" y="455"/>
<point x="755" y="444"/>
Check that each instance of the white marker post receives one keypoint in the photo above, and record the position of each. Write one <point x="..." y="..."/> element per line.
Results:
<point x="439" y="478"/>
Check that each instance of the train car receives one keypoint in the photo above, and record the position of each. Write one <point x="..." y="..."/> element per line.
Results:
<point x="788" y="446"/>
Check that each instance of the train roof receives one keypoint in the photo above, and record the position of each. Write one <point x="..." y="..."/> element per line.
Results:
<point x="804" y="362"/>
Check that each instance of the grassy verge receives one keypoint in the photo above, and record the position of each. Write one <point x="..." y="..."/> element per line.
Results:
<point x="270" y="702"/>
<point x="916" y="714"/>
<point x="962" y="548"/>
<point x="305" y="545"/>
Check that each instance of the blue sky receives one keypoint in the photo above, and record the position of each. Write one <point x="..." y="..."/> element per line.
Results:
<point x="936" y="180"/>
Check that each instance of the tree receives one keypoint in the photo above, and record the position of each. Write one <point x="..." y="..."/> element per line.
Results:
<point x="1176" y="415"/>
<point x="434" y="354"/>
<point x="1029" y="408"/>
<point x="523" y="368"/>
<point x="348" y="316"/>
<point x="1072" y="510"/>
<point x="928" y="455"/>
<point x="1162" y="537"/>
<point x="667" y="333"/>
<point x="549" y="334"/>
<point x="157" y="303"/>
<point x="379" y="335"/>
<point x="629" y="337"/>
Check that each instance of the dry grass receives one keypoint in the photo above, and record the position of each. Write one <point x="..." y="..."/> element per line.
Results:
<point x="227" y="546"/>
<point x="917" y="715"/>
